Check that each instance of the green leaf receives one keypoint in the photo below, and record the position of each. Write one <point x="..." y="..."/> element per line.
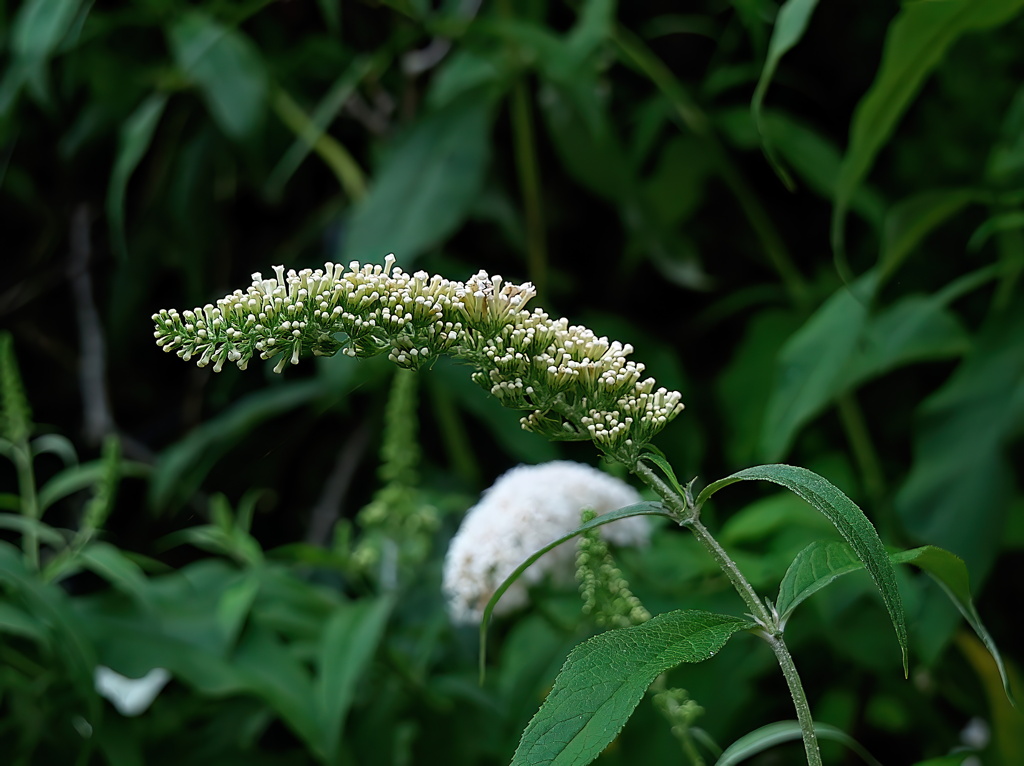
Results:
<point x="1011" y="221"/>
<point x="136" y="135"/>
<point x="17" y="622"/>
<point x="776" y="733"/>
<point x="116" y="568"/>
<point x="638" y="509"/>
<point x="79" y="477"/>
<point x="790" y="25"/>
<point x="844" y="514"/>
<point x="911" y="220"/>
<point x="604" y="679"/>
<point x="810" y="367"/>
<point x="40" y="25"/>
<point x="821" y="563"/>
<point x="349" y="642"/>
<point x="228" y="69"/>
<point x="917" y="40"/>
<point x="427" y="187"/>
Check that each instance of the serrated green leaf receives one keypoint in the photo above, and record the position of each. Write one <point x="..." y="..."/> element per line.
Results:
<point x="638" y="509"/>
<point x="916" y="41"/>
<point x="844" y="514"/>
<point x="349" y="642"/>
<point x="790" y="25"/>
<point x="135" y="137"/>
<point x="605" y="678"/>
<point x="776" y="733"/>
<point x="228" y="69"/>
<point x="428" y="185"/>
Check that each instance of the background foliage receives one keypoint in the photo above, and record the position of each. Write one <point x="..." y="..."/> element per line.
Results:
<point x="807" y="219"/>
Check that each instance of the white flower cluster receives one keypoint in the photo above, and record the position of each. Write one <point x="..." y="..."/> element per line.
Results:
<point x="577" y="384"/>
<point x="527" y="508"/>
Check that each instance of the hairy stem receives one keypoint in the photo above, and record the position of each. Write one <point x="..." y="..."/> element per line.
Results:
<point x="758" y="609"/>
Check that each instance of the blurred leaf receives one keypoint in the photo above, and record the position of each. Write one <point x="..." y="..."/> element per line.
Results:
<point x="605" y="677"/>
<point x="916" y="41"/>
<point x="980" y="406"/>
<point x="790" y="25"/>
<point x="235" y="603"/>
<point x="776" y="733"/>
<point x="136" y="135"/>
<point x="79" y="477"/>
<point x="114" y="567"/>
<point x="350" y="639"/>
<point x="1009" y="221"/>
<point x="55" y="444"/>
<point x="811" y="365"/>
<point x="228" y="69"/>
<point x="40" y="25"/>
<point x="17" y="622"/>
<point x="182" y="466"/>
<point x="913" y="219"/>
<point x="427" y="187"/>
<point x="846" y="516"/>
<point x="26" y="524"/>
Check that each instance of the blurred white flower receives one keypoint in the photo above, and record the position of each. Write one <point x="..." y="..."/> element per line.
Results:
<point x="131" y="696"/>
<point x="527" y="508"/>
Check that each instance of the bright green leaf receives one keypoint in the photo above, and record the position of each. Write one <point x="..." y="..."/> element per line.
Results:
<point x="427" y="187"/>
<point x="605" y="678"/>
<point x="917" y="40"/>
<point x="779" y="732"/>
<point x="844" y="514"/>
<point x="40" y="25"/>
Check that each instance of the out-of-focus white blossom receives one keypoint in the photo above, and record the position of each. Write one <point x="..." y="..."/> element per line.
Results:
<point x="527" y="508"/>
<point x="131" y="696"/>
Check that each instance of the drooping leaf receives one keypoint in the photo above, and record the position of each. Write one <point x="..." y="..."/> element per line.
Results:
<point x="772" y="734"/>
<point x="790" y="25"/>
<point x="844" y="514"/>
<point x="228" y="69"/>
<point x="821" y="563"/>
<point x="40" y="25"/>
<point x="916" y="41"/>
<point x="133" y="142"/>
<point x="604" y="679"/>
<point x="428" y="185"/>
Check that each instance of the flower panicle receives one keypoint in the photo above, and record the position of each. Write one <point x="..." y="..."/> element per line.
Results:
<point x="576" y="384"/>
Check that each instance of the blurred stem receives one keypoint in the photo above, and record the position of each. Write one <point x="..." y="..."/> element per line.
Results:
<point x="1011" y="257"/>
<point x="640" y="56"/>
<point x="453" y="434"/>
<point x="864" y="453"/>
<point x="765" y="617"/>
<point x="529" y="181"/>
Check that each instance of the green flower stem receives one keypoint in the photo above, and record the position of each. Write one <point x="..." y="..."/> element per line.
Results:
<point x="796" y="691"/>
<point x="864" y="453"/>
<point x="758" y="610"/>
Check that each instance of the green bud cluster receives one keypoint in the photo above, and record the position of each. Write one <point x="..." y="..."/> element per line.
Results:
<point x="603" y="588"/>
<point x="576" y="385"/>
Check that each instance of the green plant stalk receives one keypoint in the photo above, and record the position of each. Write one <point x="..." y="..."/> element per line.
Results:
<point x="758" y="610"/>
<point x="529" y="180"/>
<point x="865" y="454"/>
<point x="22" y="456"/>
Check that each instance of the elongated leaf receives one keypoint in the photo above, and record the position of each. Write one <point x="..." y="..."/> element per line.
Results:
<point x="910" y="221"/>
<point x="776" y="733"/>
<point x="17" y="622"/>
<point x="810" y="368"/>
<point x="638" y="509"/>
<point x="349" y="642"/>
<point x="117" y="569"/>
<point x="83" y="476"/>
<point x="790" y="25"/>
<point x="844" y="514"/>
<point x="228" y="69"/>
<point x="917" y="40"/>
<point x="427" y="187"/>
<point x="604" y="678"/>
<point x="40" y="25"/>
<point x="136" y="135"/>
<point x="821" y="563"/>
